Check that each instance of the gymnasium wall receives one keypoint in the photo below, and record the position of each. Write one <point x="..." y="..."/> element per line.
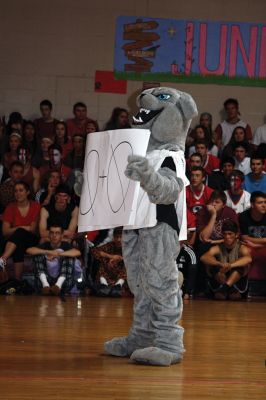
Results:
<point x="51" y="49"/>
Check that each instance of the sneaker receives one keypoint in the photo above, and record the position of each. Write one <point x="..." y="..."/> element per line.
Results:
<point x="103" y="290"/>
<point x="220" y="296"/>
<point x="188" y="296"/>
<point x="2" y="262"/>
<point x="55" y="290"/>
<point x="222" y="292"/>
<point x="116" y="291"/>
<point x="46" y="291"/>
<point x="234" y="295"/>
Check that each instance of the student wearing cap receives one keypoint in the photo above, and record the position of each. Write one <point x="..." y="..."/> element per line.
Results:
<point x="62" y="211"/>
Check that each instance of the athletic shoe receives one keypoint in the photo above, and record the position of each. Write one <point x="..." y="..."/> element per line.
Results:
<point x="103" y="290"/>
<point x="116" y="291"/>
<point x="222" y="292"/>
<point x="55" y="290"/>
<point x="46" y="291"/>
<point x="234" y="295"/>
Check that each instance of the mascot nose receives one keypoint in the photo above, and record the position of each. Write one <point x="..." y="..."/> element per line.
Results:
<point x="142" y="95"/>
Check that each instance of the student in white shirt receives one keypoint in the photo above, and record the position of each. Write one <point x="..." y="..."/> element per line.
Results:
<point x="242" y="162"/>
<point x="237" y="198"/>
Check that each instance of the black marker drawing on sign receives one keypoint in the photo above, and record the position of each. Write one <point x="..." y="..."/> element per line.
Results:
<point x="92" y="201"/>
<point x="124" y="195"/>
<point x="127" y="149"/>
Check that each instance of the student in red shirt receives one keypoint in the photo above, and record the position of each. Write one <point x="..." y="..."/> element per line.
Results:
<point x="62" y="138"/>
<point x="55" y="163"/>
<point x="45" y="126"/>
<point x="211" y="218"/>
<point x="79" y="123"/>
<point x="92" y="126"/>
<point x="209" y="162"/>
<point x="195" y="160"/>
<point x="20" y="222"/>
<point x="31" y="174"/>
<point x="197" y="193"/>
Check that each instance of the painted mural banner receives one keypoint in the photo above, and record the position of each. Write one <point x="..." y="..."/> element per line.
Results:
<point x="167" y="50"/>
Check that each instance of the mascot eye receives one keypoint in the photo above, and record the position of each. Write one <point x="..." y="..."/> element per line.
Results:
<point x="163" y="96"/>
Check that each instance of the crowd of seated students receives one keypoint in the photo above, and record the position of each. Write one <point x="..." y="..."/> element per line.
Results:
<point x="226" y="185"/>
<point x="225" y="166"/>
<point x="38" y="206"/>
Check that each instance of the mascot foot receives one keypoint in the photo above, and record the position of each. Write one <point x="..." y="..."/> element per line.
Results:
<point x="155" y="356"/>
<point x="120" y="347"/>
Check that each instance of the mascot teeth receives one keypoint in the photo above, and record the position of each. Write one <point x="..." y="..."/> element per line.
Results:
<point x="137" y="120"/>
<point x="144" y="110"/>
<point x="145" y="115"/>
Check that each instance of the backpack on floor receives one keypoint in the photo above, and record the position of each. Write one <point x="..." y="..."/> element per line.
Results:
<point x="14" y="286"/>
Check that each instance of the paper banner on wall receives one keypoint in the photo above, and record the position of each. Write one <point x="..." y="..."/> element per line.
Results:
<point x="105" y="82"/>
<point x="108" y="197"/>
<point x="169" y="50"/>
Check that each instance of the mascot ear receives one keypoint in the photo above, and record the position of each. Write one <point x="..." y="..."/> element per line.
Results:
<point x="188" y="106"/>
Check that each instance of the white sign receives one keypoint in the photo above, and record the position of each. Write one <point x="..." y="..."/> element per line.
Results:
<point x="108" y="197"/>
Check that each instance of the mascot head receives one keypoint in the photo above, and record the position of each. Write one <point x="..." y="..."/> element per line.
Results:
<point x="167" y="113"/>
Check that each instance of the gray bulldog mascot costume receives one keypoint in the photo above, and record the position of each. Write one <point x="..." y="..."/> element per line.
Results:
<point x="150" y="248"/>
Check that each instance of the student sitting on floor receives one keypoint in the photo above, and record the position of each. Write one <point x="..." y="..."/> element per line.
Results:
<point x="55" y="262"/>
<point x="20" y="222"/>
<point x="253" y="228"/>
<point x="111" y="273"/>
<point x="227" y="265"/>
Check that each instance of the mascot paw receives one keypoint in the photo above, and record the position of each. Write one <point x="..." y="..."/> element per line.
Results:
<point x="155" y="356"/>
<point x="78" y="182"/>
<point x="119" y="347"/>
<point x="136" y="168"/>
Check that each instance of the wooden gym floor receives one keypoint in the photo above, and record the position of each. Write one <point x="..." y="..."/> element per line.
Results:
<point x="53" y="350"/>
